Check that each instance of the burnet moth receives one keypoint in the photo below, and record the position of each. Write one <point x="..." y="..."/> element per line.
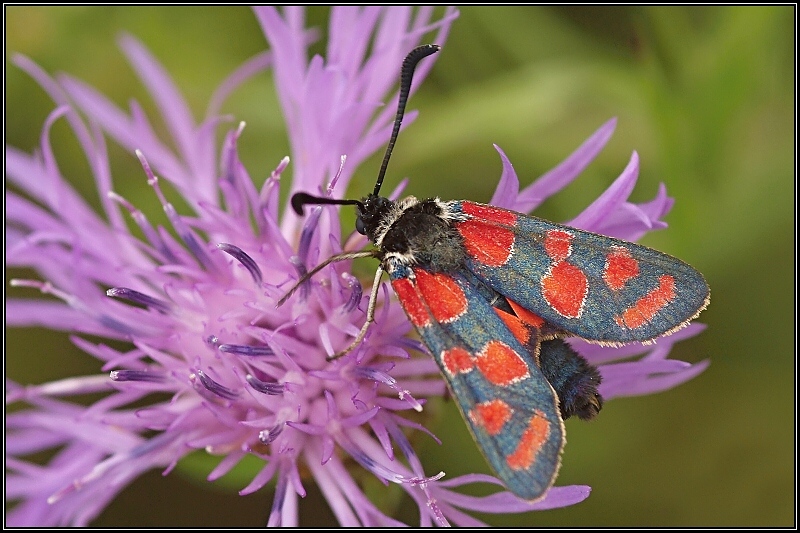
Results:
<point x="492" y="293"/>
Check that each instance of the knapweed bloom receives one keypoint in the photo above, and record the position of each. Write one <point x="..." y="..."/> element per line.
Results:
<point x="195" y="302"/>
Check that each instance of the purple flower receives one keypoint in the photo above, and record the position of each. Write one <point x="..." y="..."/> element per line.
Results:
<point x="195" y="302"/>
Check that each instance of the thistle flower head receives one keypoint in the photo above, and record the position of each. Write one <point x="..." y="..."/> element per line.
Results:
<point x="195" y="301"/>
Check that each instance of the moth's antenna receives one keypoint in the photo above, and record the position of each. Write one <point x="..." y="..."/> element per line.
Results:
<point x="406" y="74"/>
<point x="301" y="198"/>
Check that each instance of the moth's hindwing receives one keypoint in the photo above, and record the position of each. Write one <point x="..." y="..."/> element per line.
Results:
<point x="574" y="379"/>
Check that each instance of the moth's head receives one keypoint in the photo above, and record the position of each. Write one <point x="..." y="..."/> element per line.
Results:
<point x="369" y="214"/>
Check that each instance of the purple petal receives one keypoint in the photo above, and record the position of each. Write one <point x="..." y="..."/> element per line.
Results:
<point x="507" y="192"/>
<point x="24" y="213"/>
<point x="506" y="502"/>
<point x="40" y="177"/>
<point x="133" y="133"/>
<point x="562" y="497"/>
<point x="597" y="354"/>
<point x="631" y="221"/>
<point x="646" y="377"/>
<point x="613" y="197"/>
<point x="256" y="64"/>
<point x="562" y="175"/>
<point x="53" y="315"/>
<point x="170" y="102"/>
<point x="93" y="145"/>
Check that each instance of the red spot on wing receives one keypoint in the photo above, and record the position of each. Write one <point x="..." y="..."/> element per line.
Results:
<point x="515" y="325"/>
<point x="565" y="287"/>
<point x="457" y="360"/>
<point x="526" y="316"/>
<point x="501" y="365"/>
<point x="491" y="415"/>
<point x="411" y="302"/>
<point x="487" y="243"/>
<point x="445" y="298"/>
<point x="620" y="267"/>
<point x="532" y="440"/>
<point x="643" y="311"/>
<point x="487" y="212"/>
<point x="558" y="244"/>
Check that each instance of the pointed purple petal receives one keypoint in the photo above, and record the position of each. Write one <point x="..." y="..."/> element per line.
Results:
<point x="507" y="191"/>
<point x="611" y="199"/>
<point x="562" y="175"/>
<point x="646" y="377"/>
<point x="168" y="98"/>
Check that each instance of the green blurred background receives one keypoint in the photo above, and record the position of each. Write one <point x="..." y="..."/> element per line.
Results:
<point x="705" y="95"/>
